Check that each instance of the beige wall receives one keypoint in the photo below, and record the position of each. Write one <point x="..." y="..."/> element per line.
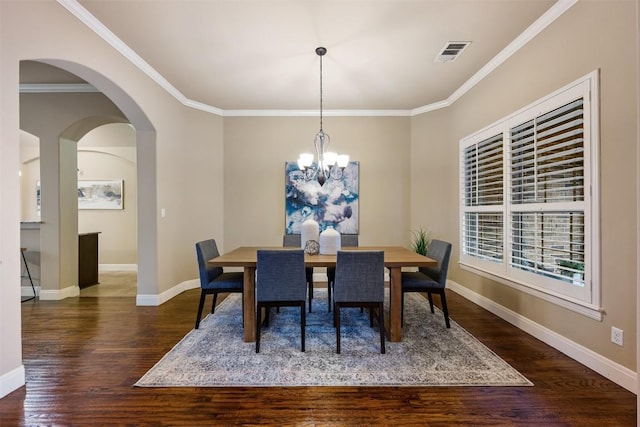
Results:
<point x="223" y="178"/>
<point x="256" y="150"/>
<point x="179" y="153"/>
<point x="49" y="117"/>
<point x="108" y="152"/>
<point x="590" y="36"/>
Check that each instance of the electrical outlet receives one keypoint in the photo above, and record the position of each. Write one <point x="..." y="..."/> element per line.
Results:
<point x="617" y="336"/>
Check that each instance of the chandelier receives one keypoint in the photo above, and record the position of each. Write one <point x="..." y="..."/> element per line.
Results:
<point x="329" y="164"/>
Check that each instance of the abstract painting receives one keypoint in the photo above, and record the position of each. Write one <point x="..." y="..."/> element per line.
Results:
<point x="100" y="194"/>
<point x="333" y="204"/>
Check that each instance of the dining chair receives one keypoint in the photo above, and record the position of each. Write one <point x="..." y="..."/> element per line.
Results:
<point x="430" y="280"/>
<point x="346" y="240"/>
<point x="295" y="240"/>
<point x="359" y="282"/>
<point x="280" y="282"/>
<point x="213" y="280"/>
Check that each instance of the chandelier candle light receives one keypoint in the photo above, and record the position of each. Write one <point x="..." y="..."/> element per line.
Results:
<point x="329" y="164"/>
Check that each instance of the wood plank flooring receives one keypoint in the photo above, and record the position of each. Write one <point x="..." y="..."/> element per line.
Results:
<point x="82" y="356"/>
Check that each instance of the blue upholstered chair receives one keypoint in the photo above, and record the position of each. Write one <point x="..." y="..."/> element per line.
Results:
<point x="346" y="240"/>
<point x="431" y="280"/>
<point x="213" y="280"/>
<point x="359" y="282"/>
<point x="280" y="281"/>
<point x="295" y="241"/>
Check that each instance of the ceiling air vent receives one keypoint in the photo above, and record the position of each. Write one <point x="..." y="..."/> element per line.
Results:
<point x="451" y="51"/>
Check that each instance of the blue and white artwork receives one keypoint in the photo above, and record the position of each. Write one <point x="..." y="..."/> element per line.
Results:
<point x="335" y="203"/>
<point x="100" y="194"/>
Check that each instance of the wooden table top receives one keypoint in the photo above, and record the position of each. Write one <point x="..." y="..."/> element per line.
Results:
<point x="394" y="256"/>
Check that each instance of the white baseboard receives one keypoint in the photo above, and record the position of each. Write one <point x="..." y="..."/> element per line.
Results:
<point x="12" y="381"/>
<point x="27" y="291"/>
<point x="155" y="300"/>
<point x="617" y="373"/>
<point x="58" y="294"/>
<point x="118" y="267"/>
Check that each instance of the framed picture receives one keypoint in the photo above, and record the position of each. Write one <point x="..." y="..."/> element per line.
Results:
<point x="335" y="203"/>
<point x="100" y="194"/>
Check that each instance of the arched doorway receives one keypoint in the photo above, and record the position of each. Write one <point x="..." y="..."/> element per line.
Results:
<point x="104" y="154"/>
<point x="59" y="234"/>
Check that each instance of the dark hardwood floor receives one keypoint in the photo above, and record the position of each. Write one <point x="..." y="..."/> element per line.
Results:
<point x="82" y="356"/>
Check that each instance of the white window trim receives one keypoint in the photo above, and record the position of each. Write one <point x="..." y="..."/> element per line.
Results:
<point x="498" y="272"/>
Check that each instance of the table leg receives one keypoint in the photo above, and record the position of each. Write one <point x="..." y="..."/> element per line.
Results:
<point x="395" y="309"/>
<point x="249" y="301"/>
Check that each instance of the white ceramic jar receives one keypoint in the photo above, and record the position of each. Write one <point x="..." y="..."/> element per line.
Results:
<point x="310" y="230"/>
<point x="329" y="241"/>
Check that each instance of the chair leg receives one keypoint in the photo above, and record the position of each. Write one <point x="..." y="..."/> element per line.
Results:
<point x="213" y="304"/>
<point x="258" y="324"/>
<point x="303" y="322"/>
<point x="381" y="326"/>
<point x="336" y="317"/>
<point x="242" y="303"/>
<point x="430" y="301"/>
<point x="402" y="310"/>
<point x="445" y="310"/>
<point x="329" y="289"/>
<point x="200" y="306"/>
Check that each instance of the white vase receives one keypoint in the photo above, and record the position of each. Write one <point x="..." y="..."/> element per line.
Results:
<point x="310" y="231"/>
<point x="329" y="241"/>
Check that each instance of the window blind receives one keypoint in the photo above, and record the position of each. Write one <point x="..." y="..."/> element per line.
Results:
<point x="547" y="168"/>
<point x="483" y="234"/>
<point x="529" y="198"/>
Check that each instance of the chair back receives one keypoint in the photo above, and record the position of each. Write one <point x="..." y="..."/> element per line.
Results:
<point x="206" y="250"/>
<point x="441" y="252"/>
<point x="349" y="240"/>
<point x="359" y="276"/>
<point x="280" y="275"/>
<point x="292" y="240"/>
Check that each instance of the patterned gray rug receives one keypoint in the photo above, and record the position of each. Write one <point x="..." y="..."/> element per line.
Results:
<point x="429" y="355"/>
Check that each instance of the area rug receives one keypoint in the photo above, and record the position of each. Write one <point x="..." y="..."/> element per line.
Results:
<point x="429" y="355"/>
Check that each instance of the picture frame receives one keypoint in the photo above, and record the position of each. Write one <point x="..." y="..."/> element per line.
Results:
<point x="101" y="194"/>
<point x="336" y="203"/>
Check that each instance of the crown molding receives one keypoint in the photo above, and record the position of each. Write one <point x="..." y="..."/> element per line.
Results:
<point x="101" y="30"/>
<point x="56" y="88"/>
<point x="316" y="113"/>
<point x="554" y="12"/>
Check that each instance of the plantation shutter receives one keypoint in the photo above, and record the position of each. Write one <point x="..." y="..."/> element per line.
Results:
<point x="483" y="193"/>
<point x="547" y="187"/>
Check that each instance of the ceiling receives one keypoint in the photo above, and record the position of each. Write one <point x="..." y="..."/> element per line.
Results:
<point x="260" y="54"/>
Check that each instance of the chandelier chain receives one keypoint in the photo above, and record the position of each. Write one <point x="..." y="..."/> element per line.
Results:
<point x="320" y="92"/>
<point x="329" y="165"/>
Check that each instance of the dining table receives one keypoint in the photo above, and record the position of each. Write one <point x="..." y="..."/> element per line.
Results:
<point x="395" y="257"/>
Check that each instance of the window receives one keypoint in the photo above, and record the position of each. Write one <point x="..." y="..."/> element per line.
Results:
<point x="528" y="198"/>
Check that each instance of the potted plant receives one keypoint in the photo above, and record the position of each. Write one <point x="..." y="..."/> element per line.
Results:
<point x="420" y="241"/>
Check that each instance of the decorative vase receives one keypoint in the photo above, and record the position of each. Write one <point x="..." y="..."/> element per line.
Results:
<point x="310" y="231"/>
<point x="329" y="241"/>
